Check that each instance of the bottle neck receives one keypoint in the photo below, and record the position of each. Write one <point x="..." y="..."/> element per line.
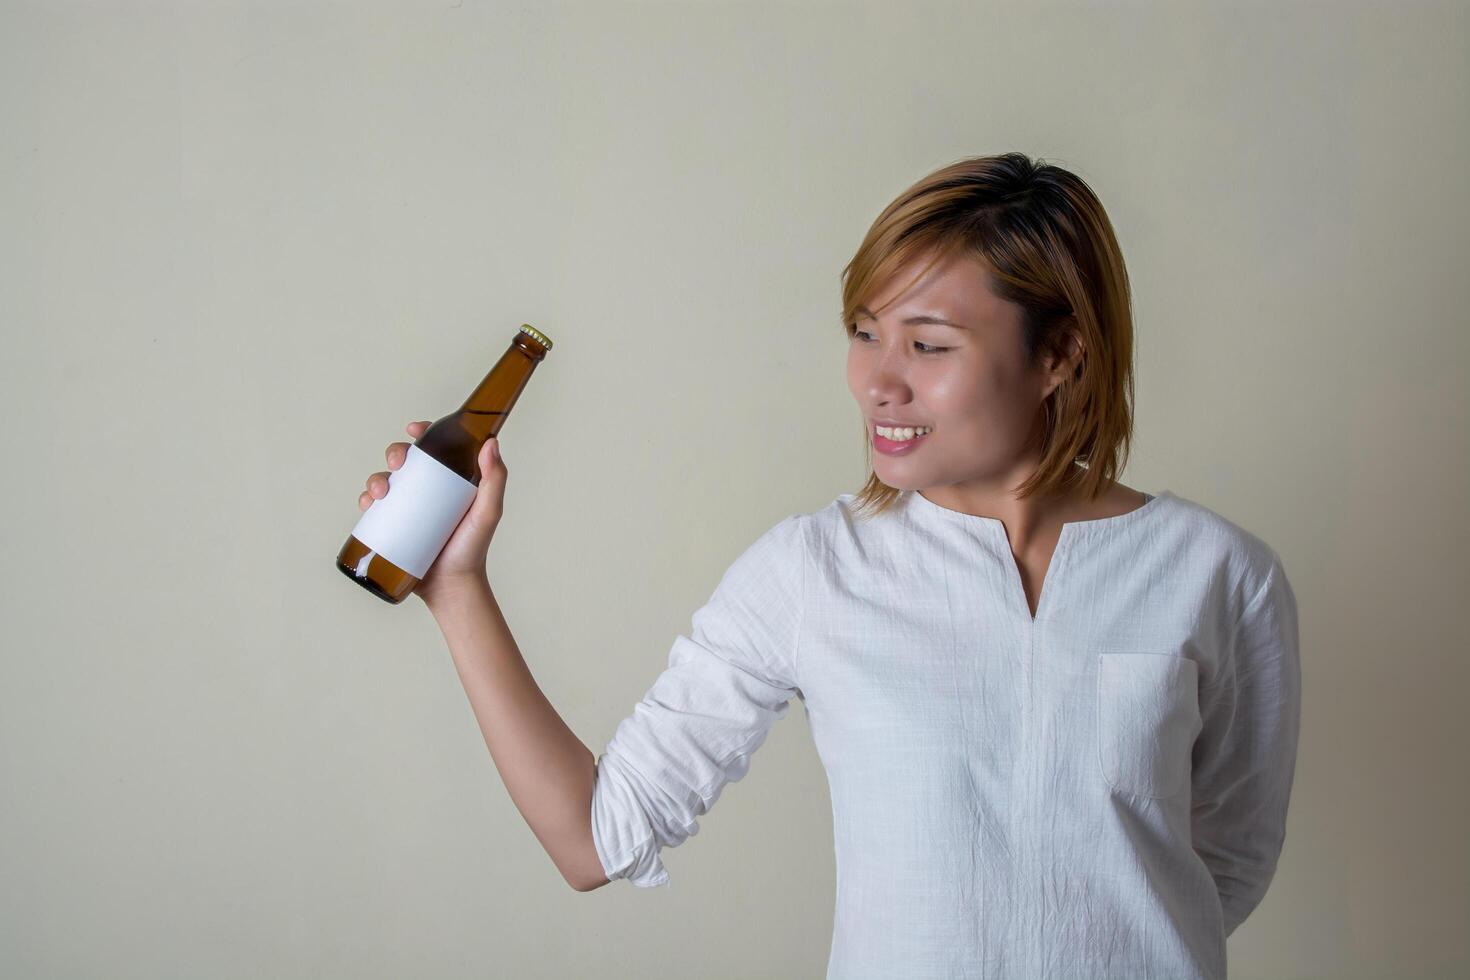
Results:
<point x="485" y="410"/>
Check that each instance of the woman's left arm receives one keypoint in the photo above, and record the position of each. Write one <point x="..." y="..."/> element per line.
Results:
<point x="1245" y="755"/>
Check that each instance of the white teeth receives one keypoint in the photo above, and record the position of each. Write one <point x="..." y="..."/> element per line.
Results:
<point x="903" y="435"/>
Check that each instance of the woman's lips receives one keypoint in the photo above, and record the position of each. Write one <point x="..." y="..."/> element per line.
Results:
<point x="890" y="448"/>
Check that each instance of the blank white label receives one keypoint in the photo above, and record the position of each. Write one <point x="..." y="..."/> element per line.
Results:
<point x="410" y="524"/>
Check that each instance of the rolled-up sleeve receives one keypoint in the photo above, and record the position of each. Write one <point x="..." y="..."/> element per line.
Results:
<point x="727" y="682"/>
<point x="1245" y="753"/>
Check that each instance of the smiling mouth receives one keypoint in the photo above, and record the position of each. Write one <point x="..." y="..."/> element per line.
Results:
<point x="893" y="447"/>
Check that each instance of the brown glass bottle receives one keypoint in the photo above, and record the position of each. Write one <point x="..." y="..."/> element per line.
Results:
<point x="394" y="543"/>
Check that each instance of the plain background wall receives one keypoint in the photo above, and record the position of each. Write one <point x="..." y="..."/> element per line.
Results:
<point x="244" y="244"/>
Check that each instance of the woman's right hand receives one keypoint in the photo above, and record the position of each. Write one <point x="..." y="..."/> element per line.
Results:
<point x="461" y="563"/>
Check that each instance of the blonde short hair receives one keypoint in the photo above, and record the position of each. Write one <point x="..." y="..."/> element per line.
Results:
<point x="1050" y="249"/>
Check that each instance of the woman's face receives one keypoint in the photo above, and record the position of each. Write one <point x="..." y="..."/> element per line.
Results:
<point x="969" y="382"/>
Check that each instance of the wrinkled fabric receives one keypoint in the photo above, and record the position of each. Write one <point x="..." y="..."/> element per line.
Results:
<point x="1100" y="791"/>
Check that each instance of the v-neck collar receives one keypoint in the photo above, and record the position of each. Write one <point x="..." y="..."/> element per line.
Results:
<point x="995" y="529"/>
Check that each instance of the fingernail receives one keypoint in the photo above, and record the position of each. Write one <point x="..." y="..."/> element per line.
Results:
<point x="494" y="447"/>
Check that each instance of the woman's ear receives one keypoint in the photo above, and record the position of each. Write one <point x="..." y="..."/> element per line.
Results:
<point x="1067" y="364"/>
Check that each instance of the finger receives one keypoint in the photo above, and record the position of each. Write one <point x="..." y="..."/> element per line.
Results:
<point x="416" y="429"/>
<point x="364" y="500"/>
<point x="490" y="458"/>
<point x="396" y="453"/>
<point x="377" y="484"/>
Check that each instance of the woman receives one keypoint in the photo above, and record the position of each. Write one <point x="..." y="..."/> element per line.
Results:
<point x="1058" y="715"/>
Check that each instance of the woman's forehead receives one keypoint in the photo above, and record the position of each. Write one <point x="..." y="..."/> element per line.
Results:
<point x="955" y="288"/>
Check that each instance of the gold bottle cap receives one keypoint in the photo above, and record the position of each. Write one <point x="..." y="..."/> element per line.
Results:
<point x="537" y="335"/>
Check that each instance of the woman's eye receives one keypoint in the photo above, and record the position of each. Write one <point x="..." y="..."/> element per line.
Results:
<point x="927" y="348"/>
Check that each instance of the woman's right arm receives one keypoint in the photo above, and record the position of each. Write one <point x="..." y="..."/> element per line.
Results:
<point x="729" y="679"/>
<point x="547" y="770"/>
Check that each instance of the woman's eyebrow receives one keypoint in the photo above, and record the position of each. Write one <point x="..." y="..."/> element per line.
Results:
<point x="917" y="320"/>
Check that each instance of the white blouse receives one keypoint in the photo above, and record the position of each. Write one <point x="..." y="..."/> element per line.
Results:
<point x="1098" y="792"/>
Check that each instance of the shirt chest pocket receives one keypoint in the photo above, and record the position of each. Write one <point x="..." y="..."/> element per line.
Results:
<point x="1147" y="720"/>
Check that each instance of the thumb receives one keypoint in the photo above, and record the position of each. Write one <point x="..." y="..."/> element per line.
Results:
<point x="490" y="496"/>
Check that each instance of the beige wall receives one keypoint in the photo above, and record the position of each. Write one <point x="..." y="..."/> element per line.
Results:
<point x="244" y="244"/>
